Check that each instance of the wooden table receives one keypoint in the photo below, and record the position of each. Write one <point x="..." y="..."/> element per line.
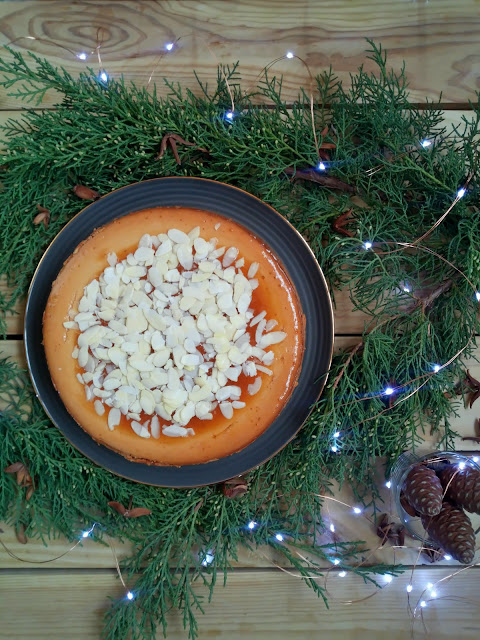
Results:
<point x="439" y="42"/>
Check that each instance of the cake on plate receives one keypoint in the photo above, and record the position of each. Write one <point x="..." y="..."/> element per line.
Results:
<point x="174" y="336"/>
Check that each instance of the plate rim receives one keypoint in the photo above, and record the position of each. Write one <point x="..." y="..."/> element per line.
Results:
<point x="45" y="408"/>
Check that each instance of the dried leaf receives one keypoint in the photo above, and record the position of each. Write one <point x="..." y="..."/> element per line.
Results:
<point x="118" y="507"/>
<point x="172" y="139"/>
<point x="339" y="223"/>
<point x="13" y="468"/>
<point x="327" y="145"/>
<point x="137" y="512"/>
<point x="29" y="493"/>
<point x="473" y="382"/>
<point x="474" y="385"/>
<point x="198" y="505"/>
<point x="383" y="527"/>
<point x="21" y="475"/>
<point x="85" y="193"/>
<point x="324" y="132"/>
<point x="235" y="487"/>
<point x="387" y="530"/>
<point x="433" y="554"/>
<point x="41" y="217"/>
<point x="324" y="181"/>
<point x="20" y="533"/>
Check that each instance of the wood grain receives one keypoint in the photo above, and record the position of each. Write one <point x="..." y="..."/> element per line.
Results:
<point x="132" y="34"/>
<point x="256" y="604"/>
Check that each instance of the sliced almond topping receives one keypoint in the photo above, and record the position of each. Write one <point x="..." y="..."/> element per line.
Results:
<point x="178" y="333"/>
<point x="255" y="386"/>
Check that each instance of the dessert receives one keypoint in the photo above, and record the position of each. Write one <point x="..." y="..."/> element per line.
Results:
<point x="173" y="336"/>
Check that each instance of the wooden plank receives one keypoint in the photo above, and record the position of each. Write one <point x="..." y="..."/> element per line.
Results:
<point x="255" y="604"/>
<point x="132" y="35"/>
<point x="14" y="349"/>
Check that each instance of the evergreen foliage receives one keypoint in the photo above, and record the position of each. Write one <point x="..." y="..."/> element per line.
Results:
<point x="106" y="135"/>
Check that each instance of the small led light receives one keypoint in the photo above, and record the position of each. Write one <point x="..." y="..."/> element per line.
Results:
<point x="130" y="595"/>
<point x="433" y="594"/>
<point x="169" y="46"/>
<point x="406" y="288"/>
<point x="423" y="603"/>
<point x="461" y="466"/>
<point x="334" y="449"/>
<point x="430" y="585"/>
<point x="447" y="557"/>
<point x="426" y="143"/>
<point x="86" y="533"/>
<point x="332" y="528"/>
<point x="475" y="458"/>
<point x="436" y="368"/>
<point x="229" y="115"/>
<point x="82" y="56"/>
<point x="461" y="192"/>
<point x="321" y="166"/>
<point x="367" y="245"/>
<point x="289" y="55"/>
<point x="357" y="510"/>
<point x="103" y="76"/>
<point x="388" y="391"/>
<point x="342" y="574"/>
<point x="336" y="434"/>
<point x="388" y="578"/>
<point x="388" y="484"/>
<point x="409" y="588"/>
<point x="336" y="561"/>
<point x="209" y="557"/>
<point x="251" y="525"/>
<point x="477" y="295"/>
<point x="279" y="537"/>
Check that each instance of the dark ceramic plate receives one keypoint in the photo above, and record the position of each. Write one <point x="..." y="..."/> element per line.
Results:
<point x="265" y="223"/>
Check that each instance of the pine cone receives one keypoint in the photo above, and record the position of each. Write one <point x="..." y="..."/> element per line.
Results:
<point x="423" y="490"/>
<point x="453" y="531"/>
<point x="463" y="486"/>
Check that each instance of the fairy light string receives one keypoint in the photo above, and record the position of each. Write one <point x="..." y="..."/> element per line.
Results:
<point x="340" y="568"/>
<point x="129" y="595"/>
<point x="430" y="592"/>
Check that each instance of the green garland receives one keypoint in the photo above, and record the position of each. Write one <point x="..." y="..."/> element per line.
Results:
<point x="106" y="135"/>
